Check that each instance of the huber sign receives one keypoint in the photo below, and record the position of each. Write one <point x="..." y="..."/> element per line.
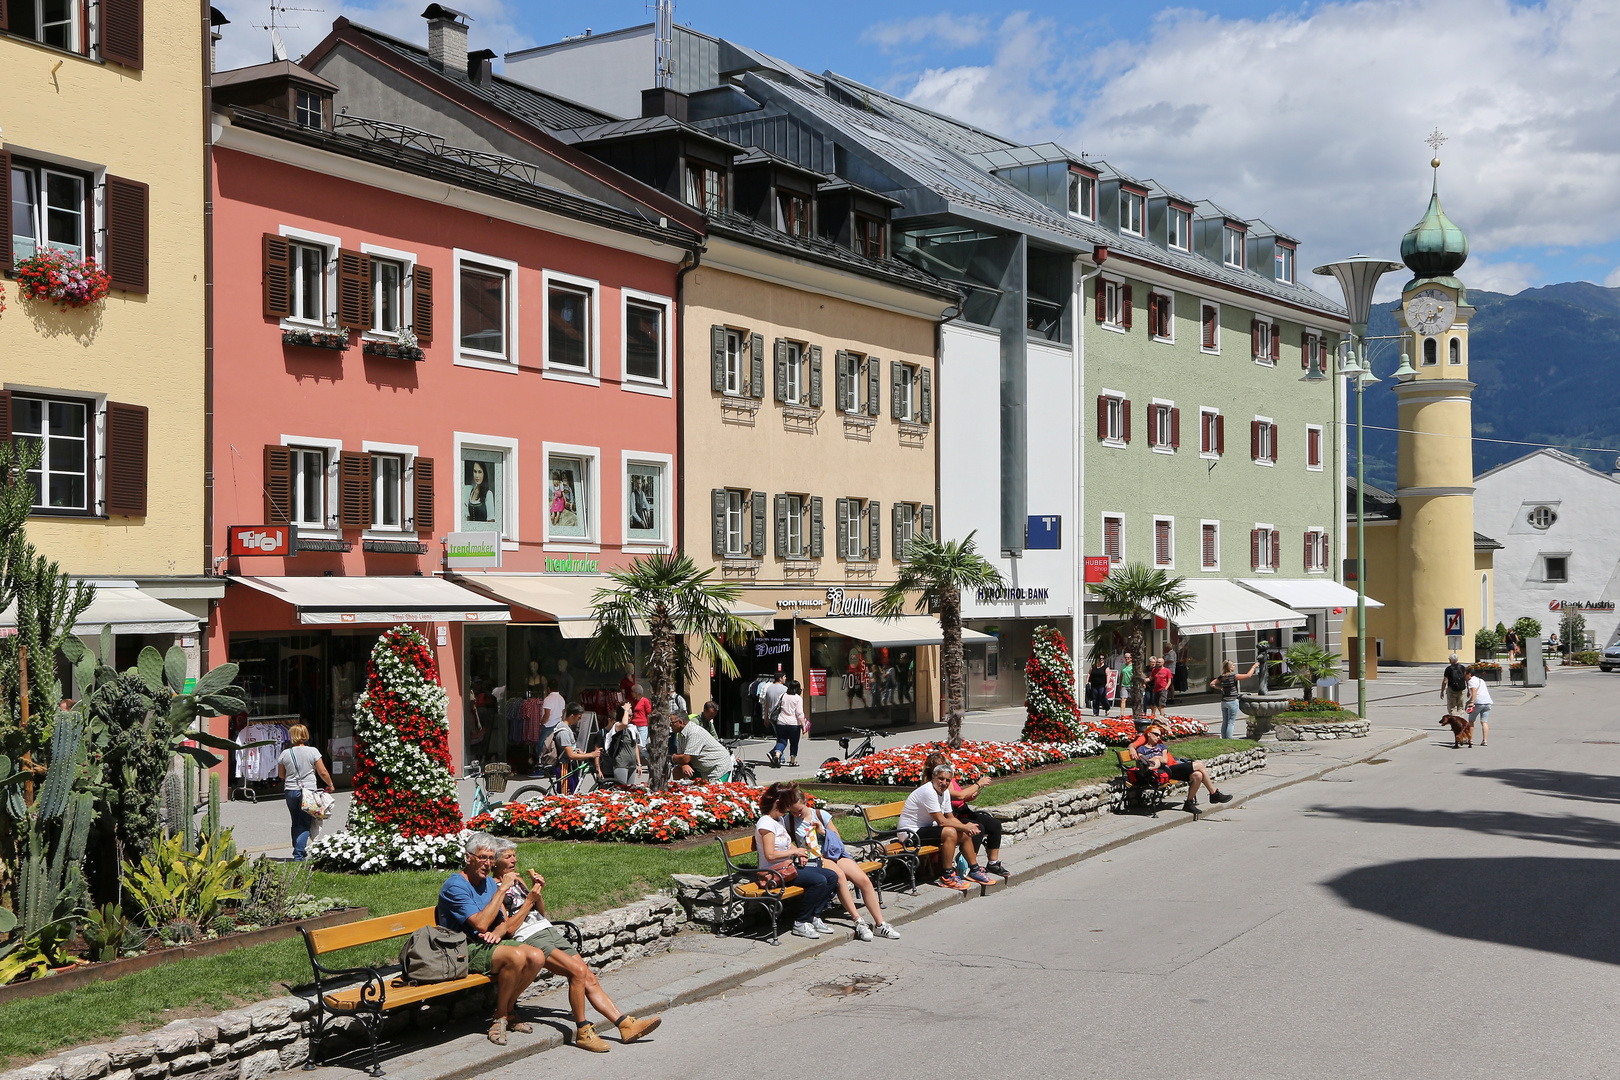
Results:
<point x="1096" y="569"/>
<point x="246" y="540"/>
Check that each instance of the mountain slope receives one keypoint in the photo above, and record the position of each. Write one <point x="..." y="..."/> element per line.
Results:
<point x="1547" y="367"/>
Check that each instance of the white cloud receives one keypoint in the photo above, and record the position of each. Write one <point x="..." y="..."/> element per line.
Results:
<point x="955" y="31"/>
<point x="246" y="42"/>
<point x="1502" y="277"/>
<point x="1315" y="121"/>
<point x="1613" y="280"/>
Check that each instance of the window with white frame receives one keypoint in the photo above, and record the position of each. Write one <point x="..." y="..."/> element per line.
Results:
<point x="309" y="487"/>
<point x="1310" y="351"/>
<point x="1114" y="538"/>
<point x="1263" y="440"/>
<point x="488" y="489"/>
<point x="1082" y="196"/>
<point x="853" y="520"/>
<point x="646" y="337"/>
<point x="646" y="500"/>
<point x="309" y="111"/>
<point x="793" y="380"/>
<point x="905" y="392"/>
<point x="736" y="363"/>
<point x="309" y="283"/>
<point x="1114" y="306"/>
<point x="1113" y="418"/>
<point x="1131" y="212"/>
<point x="1285" y="263"/>
<point x="570" y="325"/>
<point x="736" y="542"/>
<point x="1313" y="447"/>
<point x="1209" y="328"/>
<point x="795" y="507"/>
<point x="1316" y="551"/>
<point x="1211" y="433"/>
<point x="1164" y="426"/>
<point x="1161" y="309"/>
<point x="486" y="307"/>
<point x="64" y="431"/>
<point x="1265" y="341"/>
<point x="570" y="493"/>
<point x="851" y="379"/>
<point x="1209" y="545"/>
<point x="57" y="23"/>
<point x="1164" y="542"/>
<point x="905" y="527"/>
<point x="50" y="207"/>
<point x="388" y="492"/>
<point x="1265" y="555"/>
<point x="387" y="295"/>
<point x="1232" y="252"/>
<point x="1178" y="229"/>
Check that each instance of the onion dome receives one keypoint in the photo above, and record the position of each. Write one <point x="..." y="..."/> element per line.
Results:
<point x="1434" y="247"/>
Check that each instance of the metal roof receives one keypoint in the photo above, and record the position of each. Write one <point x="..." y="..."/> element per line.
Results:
<point x="638" y="127"/>
<point x="1012" y="157"/>
<point x="897" y="271"/>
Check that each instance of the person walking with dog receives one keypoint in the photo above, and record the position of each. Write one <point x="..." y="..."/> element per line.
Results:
<point x="1479" y="707"/>
<point x="1454" y="687"/>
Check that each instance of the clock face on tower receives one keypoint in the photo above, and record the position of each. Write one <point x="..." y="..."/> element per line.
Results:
<point x="1430" y="311"/>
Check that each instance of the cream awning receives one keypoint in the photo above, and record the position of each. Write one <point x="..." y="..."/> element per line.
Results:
<point x="566" y="598"/>
<point x="127" y="610"/>
<point x="325" y="601"/>
<point x="899" y="632"/>
<point x="1221" y="607"/>
<point x="1306" y="594"/>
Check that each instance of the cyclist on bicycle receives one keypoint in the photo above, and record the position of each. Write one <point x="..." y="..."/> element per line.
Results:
<point x="559" y="753"/>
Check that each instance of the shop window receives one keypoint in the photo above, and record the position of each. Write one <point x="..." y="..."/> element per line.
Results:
<point x="484" y="502"/>
<point x="1114" y="538"/>
<point x="63" y="430"/>
<point x="646" y="503"/>
<point x="569" y="496"/>
<point x="645" y="335"/>
<point x="570" y="325"/>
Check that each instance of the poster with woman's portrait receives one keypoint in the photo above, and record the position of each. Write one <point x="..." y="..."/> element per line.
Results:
<point x="646" y="509"/>
<point x="566" y="496"/>
<point x="481" y="491"/>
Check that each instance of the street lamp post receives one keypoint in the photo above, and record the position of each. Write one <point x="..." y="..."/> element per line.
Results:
<point x="1358" y="277"/>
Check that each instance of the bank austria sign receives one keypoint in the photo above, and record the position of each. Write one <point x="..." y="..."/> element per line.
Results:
<point x="1580" y="605"/>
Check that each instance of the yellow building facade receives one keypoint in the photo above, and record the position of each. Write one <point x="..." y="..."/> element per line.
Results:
<point x="102" y="134"/>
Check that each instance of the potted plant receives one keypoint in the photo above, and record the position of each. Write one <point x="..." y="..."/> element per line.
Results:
<point x="405" y="348"/>
<point x="337" y="341"/>
<point x="61" y="277"/>
<point x="1304" y="663"/>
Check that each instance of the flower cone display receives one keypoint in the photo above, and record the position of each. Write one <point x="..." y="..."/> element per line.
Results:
<point x="1053" y="715"/>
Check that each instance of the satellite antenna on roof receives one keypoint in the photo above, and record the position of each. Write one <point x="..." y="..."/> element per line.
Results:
<point x="663" y="43"/>
<point x="278" y="23"/>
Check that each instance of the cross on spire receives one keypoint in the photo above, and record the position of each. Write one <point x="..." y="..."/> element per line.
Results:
<point x="1436" y="140"/>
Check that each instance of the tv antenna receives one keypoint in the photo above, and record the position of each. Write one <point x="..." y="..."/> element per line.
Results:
<point x="664" y="43"/>
<point x="278" y="23"/>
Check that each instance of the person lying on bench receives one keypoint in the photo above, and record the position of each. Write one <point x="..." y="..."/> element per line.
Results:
<point x="525" y="922"/>
<point x="962" y="795"/>
<point x="1154" y="755"/>
<point x="473" y="902"/>
<point x="927" y="816"/>
<point x="813" y="830"/>
<point x="777" y="850"/>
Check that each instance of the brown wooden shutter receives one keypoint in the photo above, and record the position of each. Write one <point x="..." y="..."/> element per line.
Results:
<point x="1254" y="337"/>
<point x="1100" y="303"/>
<point x="1276" y="550"/>
<point x="5" y="408"/>
<point x="5" y="24"/>
<point x="1125" y="419"/>
<point x="122" y="33"/>
<point x="127" y="234"/>
<point x="277" y="277"/>
<point x="1254" y="549"/>
<point x="277" y="485"/>
<point x="126" y="459"/>
<point x="422" y="304"/>
<point x="1254" y="439"/>
<point x="422" y="494"/>
<point x="1125" y="308"/>
<point x="1276" y="345"/>
<point x="354" y="290"/>
<point x="1175" y="429"/>
<point x="1310" y="547"/>
<point x="1153" y="425"/>
<point x="1154" y="330"/>
<point x="1273" y="442"/>
<point x="1102" y="416"/>
<point x="1206" y="432"/>
<point x="1210" y="327"/>
<point x="1220" y="434"/>
<point x="354" y="490"/>
<point x="1304" y="351"/>
<point x="5" y="197"/>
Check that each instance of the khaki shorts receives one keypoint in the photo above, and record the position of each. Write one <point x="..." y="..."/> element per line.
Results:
<point x="548" y="941"/>
<point x="481" y="955"/>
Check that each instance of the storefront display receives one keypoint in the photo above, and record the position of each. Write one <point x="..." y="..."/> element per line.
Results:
<point x="866" y="685"/>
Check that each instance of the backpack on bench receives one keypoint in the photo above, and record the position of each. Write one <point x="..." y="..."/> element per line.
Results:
<point x="433" y="954"/>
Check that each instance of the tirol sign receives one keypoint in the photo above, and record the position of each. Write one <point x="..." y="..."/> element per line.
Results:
<point x="839" y="604"/>
<point x="472" y="550"/>
<point x="248" y="540"/>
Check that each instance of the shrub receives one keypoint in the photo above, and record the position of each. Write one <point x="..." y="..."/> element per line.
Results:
<point x="1528" y="627"/>
<point x="1299" y="706"/>
<point x="1585" y="656"/>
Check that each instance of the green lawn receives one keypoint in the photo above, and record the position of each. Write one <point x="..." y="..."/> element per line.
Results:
<point x="580" y="879"/>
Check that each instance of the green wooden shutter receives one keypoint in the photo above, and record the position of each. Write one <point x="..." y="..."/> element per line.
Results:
<point x="899" y="537"/>
<point x="815" y="376"/>
<point x="781" y="525"/>
<point x="717" y="511"/>
<point x="717" y="359"/>
<point x="895" y="375"/>
<point x="843" y="529"/>
<point x="927" y="527"/>
<point x="816" y="546"/>
<point x="756" y="368"/>
<point x="874" y="386"/>
<point x="758" y="538"/>
<point x="874" y="529"/>
<point x="925" y="408"/>
<point x="779" y="386"/>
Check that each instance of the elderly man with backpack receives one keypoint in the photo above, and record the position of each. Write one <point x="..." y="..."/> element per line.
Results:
<point x="1454" y="685"/>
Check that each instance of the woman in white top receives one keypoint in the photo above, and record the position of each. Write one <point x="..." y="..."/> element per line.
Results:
<point x="791" y="722"/>
<point x="301" y="770"/>
<point x="1479" y="706"/>
<point x="774" y="843"/>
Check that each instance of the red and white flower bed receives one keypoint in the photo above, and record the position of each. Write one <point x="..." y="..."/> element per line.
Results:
<point x="1123" y="732"/>
<point x="903" y="765"/>
<point x="634" y="815"/>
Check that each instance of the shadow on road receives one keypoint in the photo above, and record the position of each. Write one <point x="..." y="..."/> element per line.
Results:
<point x="1555" y="905"/>
<point x="1556" y="783"/>
<point x="1572" y="829"/>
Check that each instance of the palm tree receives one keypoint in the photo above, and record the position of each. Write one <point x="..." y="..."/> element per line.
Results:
<point x="669" y="599"/>
<point x="938" y="571"/>
<point x="1132" y="595"/>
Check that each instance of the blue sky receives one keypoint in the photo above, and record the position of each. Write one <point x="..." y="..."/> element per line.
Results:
<point x="1310" y="115"/>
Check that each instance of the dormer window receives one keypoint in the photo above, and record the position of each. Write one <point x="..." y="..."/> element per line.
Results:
<point x="1131" y="212"/>
<point x="1178" y="229"/>
<point x="705" y="188"/>
<point x="869" y="236"/>
<point x="1232" y="255"/>
<point x="309" y="112"/>
<point x="1285" y="264"/>
<point x="1082" y="196"/>
<point x="793" y="213"/>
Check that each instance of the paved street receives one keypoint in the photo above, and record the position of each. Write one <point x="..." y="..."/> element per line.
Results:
<point x="1437" y="912"/>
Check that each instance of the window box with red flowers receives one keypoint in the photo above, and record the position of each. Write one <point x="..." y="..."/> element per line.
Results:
<point x="61" y="278"/>
<point x="316" y="339"/>
<point x="394" y="350"/>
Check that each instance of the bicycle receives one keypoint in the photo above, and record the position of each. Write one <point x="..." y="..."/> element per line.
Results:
<point x="492" y="779"/>
<point x="865" y="749"/>
<point x="742" y="772"/>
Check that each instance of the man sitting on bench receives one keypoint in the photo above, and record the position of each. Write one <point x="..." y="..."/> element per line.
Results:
<point x="927" y="816"/>
<point x="473" y="902"/>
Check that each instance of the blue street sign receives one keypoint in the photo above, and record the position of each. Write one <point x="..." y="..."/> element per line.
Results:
<point x="1044" y="532"/>
<point x="1454" y="622"/>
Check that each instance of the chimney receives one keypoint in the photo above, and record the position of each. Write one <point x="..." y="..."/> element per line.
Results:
<point x="216" y="19"/>
<point x="480" y="69"/>
<point x="447" y="37"/>
<point x="662" y="101"/>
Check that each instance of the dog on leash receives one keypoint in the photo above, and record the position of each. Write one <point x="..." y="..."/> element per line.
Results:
<point x="1462" y="730"/>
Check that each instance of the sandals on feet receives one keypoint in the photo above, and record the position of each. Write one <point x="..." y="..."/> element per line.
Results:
<point x="522" y="1027"/>
<point x="497" y="1031"/>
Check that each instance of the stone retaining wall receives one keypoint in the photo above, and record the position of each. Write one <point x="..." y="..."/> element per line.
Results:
<point x="271" y="1036"/>
<point x="1349" y="729"/>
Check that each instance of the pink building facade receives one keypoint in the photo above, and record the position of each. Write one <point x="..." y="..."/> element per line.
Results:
<point x="410" y="350"/>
